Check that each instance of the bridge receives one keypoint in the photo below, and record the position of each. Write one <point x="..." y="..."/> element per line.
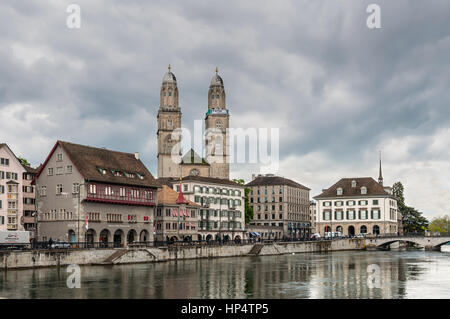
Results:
<point x="428" y="242"/>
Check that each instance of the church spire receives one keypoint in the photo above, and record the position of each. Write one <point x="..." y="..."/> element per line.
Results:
<point x="380" y="177"/>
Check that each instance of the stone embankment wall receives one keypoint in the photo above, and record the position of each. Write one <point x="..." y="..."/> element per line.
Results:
<point x="49" y="258"/>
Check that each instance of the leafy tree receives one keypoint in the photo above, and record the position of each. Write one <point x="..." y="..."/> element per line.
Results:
<point x="248" y="208"/>
<point x="413" y="221"/>
<point x="440" y="224"/>
<point x="23" y="161"/>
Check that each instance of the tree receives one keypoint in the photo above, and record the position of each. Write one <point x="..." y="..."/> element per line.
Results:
<point x="413" y="221"/>
<point x="248" y="208"/>
<point x="440" y="224"/>
<point x="23" y="161"/>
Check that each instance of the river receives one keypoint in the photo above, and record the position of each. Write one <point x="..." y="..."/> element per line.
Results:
<point x="402" y="274"/>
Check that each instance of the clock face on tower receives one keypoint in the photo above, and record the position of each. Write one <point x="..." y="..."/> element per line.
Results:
<point x="194" y="172"/>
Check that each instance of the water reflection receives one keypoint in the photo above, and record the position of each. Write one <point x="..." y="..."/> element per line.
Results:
<point x="410" y="274"/>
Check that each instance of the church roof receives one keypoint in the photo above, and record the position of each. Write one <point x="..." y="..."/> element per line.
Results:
<point x="191" y="157"/>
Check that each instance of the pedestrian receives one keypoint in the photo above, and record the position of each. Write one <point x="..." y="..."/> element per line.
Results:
<point x="50" y="242"/>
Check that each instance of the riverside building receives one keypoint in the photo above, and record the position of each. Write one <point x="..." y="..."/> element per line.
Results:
<point x="355" y="206"/>
<point x="95" y="195"/>
<point x="280" y="207"/>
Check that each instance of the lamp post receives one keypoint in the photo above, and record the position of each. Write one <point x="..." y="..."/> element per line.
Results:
<point x="79" y="204"/>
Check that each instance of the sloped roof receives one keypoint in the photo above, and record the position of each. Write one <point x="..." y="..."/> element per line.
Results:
<point x="274" y="181"/>
<point x="167" y="196"/>
<point x="373" y="188"/>
<point x="88" y="160"/>
<point x="212" y="180"/>
<point x="191" y="157"/>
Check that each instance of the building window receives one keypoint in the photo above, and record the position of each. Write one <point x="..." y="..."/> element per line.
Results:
<point x="218" y="124"/>
<point x="43" y="190"/>
<point x="59" y="171"/>
<point x="50" y="171"/>
<point x="375" y="202"/>
<point x="92" y="189"/>
<point x="363" y="190"/>
<point x="169" y="122"/>
<point x="59" y="157"/>
<point x="59" y="189"/>
<point x="75" y="188"/>
<point x="69" y="169"/>
<point x="339" y="191"/>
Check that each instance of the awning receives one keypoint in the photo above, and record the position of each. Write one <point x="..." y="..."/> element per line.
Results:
<point x="257" y="234"/>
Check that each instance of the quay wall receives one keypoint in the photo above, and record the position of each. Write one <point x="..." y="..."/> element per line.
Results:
<point x="52" y="258"/>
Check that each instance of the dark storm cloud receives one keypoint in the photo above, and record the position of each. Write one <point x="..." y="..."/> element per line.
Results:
<point x="338" y="91"/>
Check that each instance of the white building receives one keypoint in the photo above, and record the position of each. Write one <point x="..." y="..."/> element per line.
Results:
<point x="357" y="206"/>
<point x="222" y="212"/>
<point x="11" y="192"/>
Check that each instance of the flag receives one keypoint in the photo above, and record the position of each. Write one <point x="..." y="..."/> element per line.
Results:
<point x="87" y="222"/>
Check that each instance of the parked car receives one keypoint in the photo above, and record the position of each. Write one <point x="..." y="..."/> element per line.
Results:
<point x="361" y="236"/>
<point x="58" y="244"/>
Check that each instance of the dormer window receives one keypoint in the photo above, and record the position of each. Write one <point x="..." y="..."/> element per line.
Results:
<point x="353" y="183"/>
<point x="363" y="190"/>
<point x="339" y="191"/>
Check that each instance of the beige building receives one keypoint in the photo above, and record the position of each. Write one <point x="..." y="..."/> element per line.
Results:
<point x="95" y="195"/>
<point x="279" y="203"/>
<point x="171" y="163"/>
<point x="176" y="219"/>
<point x="313" y="216"/>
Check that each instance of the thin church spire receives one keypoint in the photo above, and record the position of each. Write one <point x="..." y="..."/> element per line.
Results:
<point x="380" y="177"/>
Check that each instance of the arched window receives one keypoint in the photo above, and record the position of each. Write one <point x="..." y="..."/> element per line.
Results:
<point x="363" y="229"/>
<point x="339" y="191"/>
<point x="376" y="230"/>
<point x="353" y="183"/>
<point x="169" y="122"/>
<point x="218" y="124"/>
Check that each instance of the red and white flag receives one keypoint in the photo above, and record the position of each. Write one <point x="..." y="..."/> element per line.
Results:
<point x="87" y="222"/>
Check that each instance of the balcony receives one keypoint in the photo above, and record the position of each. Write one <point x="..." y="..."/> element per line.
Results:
<point x="28" y="220"/>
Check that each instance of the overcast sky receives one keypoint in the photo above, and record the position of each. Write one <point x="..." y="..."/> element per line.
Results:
<point x="338" y="91"/>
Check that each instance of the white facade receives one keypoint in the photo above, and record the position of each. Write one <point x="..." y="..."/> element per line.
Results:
<point x="11" y="193"/>
<point x="371" y="212"/>
<point x="223" y="209"/>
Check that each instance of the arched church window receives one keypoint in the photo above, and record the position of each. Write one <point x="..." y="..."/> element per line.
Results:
<point x="212" y="96"/>
<point x="170" y="93"/>
<point x="165" y="94"/>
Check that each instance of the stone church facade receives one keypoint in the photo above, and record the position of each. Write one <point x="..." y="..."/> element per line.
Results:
<point x="171" y="163"/>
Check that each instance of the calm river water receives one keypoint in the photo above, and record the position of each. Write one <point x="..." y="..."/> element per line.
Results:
<point x="403" y="274"/>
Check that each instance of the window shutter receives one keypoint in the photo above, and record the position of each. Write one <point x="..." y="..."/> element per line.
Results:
<point x="323" y="217"/>
<point x="359" y="214"/>
<point x="371" y="214"/>
<point x="335" y="215"/>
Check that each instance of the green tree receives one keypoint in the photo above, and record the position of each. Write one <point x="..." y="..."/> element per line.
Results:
<point x="413" y="221"/>
<point x="440" y="224"/>
<point x="23" y="161"/>
<point x="248" y="208"/>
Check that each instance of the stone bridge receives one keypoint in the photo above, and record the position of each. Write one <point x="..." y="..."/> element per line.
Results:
<point x="428" y="242"/>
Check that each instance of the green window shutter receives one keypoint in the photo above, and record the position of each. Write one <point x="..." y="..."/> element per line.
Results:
<point x="359" y="214"/>
<point x="323" y="215"/>
<point x="371" y="214"/>
<point x="346" y="214"/>
<point x="335" y="215"/>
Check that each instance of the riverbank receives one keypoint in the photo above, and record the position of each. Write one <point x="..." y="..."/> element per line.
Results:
<point x="52" y="258"/>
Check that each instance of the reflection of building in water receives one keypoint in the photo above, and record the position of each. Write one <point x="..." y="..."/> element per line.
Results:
<point x="346" y="276"/>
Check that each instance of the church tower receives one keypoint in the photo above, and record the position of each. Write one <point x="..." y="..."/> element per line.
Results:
<point x="169" y="119"/>
<point x="216" y="125"/>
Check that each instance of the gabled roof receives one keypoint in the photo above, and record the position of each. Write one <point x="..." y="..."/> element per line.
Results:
<point x="167" y="196"/>
<point x="88" y="160"/>
<point x="373" y="188"/>
<point x="12" y="153"/>
<point x="274" y="181"/>
<point x="191" y="157"/>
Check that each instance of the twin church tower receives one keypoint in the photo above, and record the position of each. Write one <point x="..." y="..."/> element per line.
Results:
<point x="215" y="164"/>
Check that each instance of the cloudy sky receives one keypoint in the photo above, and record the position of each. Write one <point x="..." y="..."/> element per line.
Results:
<point x="338" y="91"/>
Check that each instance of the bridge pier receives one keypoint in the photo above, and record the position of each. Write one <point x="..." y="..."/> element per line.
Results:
<point x="432" y="248"/>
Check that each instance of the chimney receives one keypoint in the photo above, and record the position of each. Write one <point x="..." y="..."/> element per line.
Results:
<point x="136" y="155"/>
